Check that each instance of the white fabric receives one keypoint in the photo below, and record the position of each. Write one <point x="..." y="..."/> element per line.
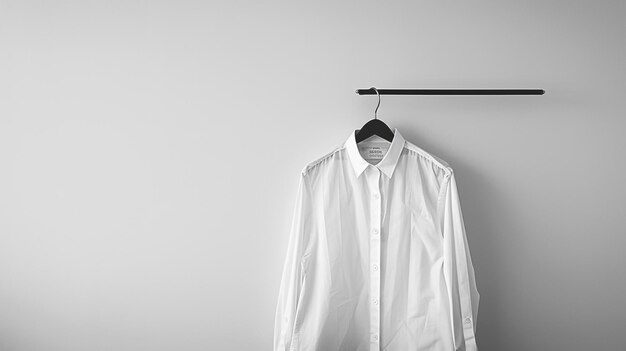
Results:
<point x="377" y="257"/>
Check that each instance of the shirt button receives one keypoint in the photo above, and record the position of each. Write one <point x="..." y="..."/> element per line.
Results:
<point x="375" y="267"/>
<point x="375" y="337"/>
<point x="376" y="196"/>
<point x="375" y="230"/>
<point x="375" y="301"/>
<point x="468" y="320"/>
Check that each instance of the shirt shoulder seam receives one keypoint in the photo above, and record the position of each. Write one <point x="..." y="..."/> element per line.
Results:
<point x="443" y="165"/>
<point x="309" y="166"/>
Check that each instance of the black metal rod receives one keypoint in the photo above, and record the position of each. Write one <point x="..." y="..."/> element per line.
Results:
<point x="451" y="91"/>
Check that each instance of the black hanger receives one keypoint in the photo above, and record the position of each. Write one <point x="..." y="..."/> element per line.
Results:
<point x="374" y="127"/>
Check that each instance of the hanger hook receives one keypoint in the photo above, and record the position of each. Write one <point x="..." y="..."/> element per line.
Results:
<point x="376" y="111"/>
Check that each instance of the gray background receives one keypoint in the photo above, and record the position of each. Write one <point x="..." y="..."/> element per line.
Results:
<point x="150" y="153"/>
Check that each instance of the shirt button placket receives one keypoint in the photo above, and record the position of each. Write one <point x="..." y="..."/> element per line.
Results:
<point x="375" y="236"/>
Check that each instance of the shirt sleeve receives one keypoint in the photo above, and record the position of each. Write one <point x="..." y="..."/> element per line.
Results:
<point x="458" y="268"/>
<point x="292" y="274"/>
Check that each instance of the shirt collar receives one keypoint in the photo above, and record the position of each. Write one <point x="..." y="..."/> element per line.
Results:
<point x="387" y="165"/>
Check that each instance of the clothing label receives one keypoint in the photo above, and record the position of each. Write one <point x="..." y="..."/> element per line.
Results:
<point x="373" y="152"/>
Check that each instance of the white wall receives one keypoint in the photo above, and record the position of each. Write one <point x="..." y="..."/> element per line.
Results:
<point x="149" y="158"/>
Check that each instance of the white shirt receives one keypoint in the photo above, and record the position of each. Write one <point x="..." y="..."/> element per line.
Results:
<point x="377" y="257"/>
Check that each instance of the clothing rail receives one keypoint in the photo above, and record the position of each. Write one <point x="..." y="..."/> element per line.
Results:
<point x="451" y="91"/>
